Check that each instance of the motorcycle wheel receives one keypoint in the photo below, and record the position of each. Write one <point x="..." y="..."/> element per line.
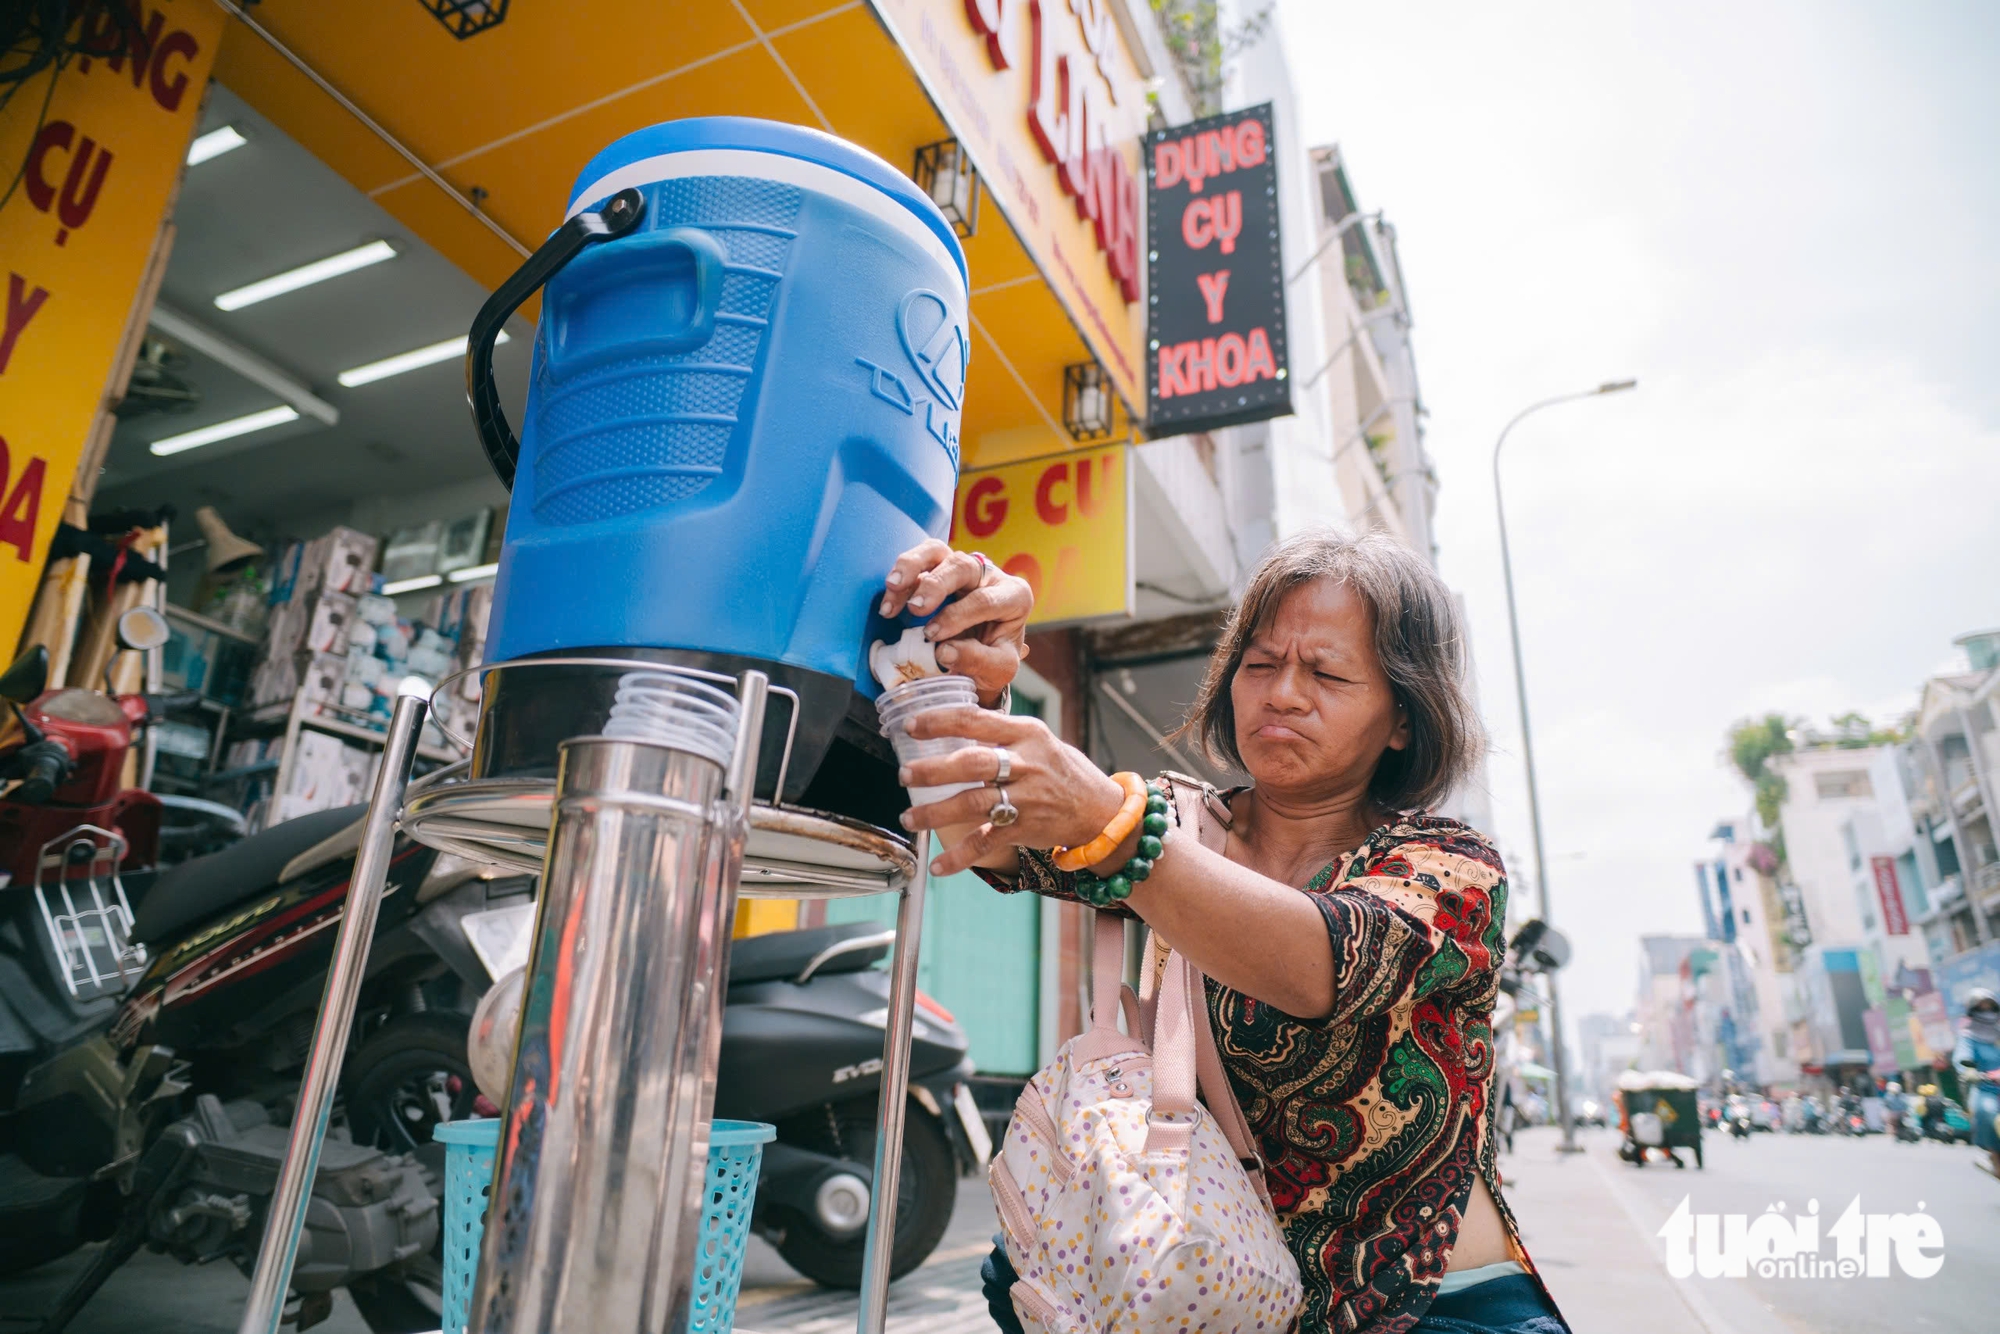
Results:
<point x="924" y="1198"/>
<point x="401" y="1084"/>
<point x="403" y="1299"/>
<point x="407" y="1079"/>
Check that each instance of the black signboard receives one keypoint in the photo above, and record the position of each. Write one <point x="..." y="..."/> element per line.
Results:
<point x="1215" y="326"/>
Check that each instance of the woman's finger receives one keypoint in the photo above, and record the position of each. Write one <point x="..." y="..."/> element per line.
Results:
<point x="909" y="567"/>
<point x="971" y="806"/>
<point x="997" y="729"/>
<point x="1004" y="602"/>
<point x="957" y="572"/>
<point x="992" y="668"/>
<point x="981" y="842"/>
<point x="973" y="764"/>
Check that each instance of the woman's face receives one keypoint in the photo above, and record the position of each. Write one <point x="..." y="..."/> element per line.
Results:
<point x="1314" y="710"/>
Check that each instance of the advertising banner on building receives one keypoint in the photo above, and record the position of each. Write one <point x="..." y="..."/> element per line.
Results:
<point x="1958" y="975"/>
<point x="1063" y="524"/>
<point x="1903" y="1032"/>
<point x="1215" y="335"/>
<point x="97" y="144"/>
<point x="1933" y="1018"/>
<point x="1046" y="98"/>
<point x="1895" y="918"/>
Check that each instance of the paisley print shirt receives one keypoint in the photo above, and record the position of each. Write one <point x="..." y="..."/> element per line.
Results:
<point x="1375" y="1120"/>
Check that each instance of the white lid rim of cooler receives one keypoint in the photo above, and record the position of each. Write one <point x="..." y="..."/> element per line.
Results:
<point x="784" y="168"/>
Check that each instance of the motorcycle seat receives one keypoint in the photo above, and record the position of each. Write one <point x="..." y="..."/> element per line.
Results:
<point x="783" y="955"/>
<point x="195" y="890"/>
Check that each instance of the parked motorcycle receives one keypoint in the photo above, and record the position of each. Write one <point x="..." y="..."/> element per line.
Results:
<point x="802" y="1035"/>
<point x="149" y="1057"/>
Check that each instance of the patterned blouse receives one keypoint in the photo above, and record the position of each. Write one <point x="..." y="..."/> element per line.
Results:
<point x="1375" y="1120"/>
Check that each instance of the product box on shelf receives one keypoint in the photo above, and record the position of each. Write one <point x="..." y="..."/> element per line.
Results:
<point x="340" y="560"/>
<point x="326" y="773"/>
<point x="319" y="622"/>
<point x="320" y="680"/>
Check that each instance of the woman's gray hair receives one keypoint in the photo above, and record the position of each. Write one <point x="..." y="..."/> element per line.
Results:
<point x="1418" y="638"/>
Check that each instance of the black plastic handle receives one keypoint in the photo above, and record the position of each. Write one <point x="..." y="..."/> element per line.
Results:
<point x="621" y="213"/>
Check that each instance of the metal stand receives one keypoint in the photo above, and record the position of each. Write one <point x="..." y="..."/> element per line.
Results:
<point x="603" y="1152"/>
<point x="895" y="1099"/>
<point x="287" y="1216"/>
<point x="792" y="853"/>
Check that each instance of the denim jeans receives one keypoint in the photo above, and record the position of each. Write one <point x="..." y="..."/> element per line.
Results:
<point x="996" y="1276"/>
<point x="1511" y="1305"/>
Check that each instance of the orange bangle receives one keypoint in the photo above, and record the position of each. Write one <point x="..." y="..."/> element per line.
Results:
<point x="1122" y="824"/>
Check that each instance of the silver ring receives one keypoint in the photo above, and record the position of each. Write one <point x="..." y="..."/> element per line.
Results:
<point x="1003" y="812"/>
<point x="1004" y="759"/>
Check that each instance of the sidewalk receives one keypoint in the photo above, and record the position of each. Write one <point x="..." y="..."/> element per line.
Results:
<point x="942" y="1297"/>
<point x="1581" y="1220"/>
<point x="1589" y="1235"/>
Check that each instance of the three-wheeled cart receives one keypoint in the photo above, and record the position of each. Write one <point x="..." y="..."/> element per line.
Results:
<point x="1658" y="1110"/>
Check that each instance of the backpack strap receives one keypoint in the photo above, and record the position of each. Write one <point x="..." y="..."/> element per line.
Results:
<point x="1201" y="809"/>
<point x="1107" y="992"/>
<point x="1171" y="1121"/>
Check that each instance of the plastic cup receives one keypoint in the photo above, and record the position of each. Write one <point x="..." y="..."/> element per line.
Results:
<point x="899" y="704"/>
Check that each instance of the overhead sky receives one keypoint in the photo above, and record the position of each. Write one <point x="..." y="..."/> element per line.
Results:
<point x="1783" y="217"/>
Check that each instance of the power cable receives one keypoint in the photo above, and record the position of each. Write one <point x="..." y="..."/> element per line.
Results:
<point x="35" y="36"/>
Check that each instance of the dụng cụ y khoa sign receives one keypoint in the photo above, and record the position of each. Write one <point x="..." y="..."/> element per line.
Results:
<point x="1215" y="339"/>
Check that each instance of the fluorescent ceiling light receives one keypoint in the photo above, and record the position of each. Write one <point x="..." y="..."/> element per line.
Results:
<point x="408" y="361"/>
<point x="471" y="572"/>
<point x="291" y="280"/>
<point x="412" y="585"/>
<point x="235" y="426"/>
<point x="214" y="144"/>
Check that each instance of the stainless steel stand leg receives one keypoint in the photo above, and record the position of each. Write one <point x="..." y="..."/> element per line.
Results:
<point x="895" y="1097"/>
<point x="287" y="1216"/>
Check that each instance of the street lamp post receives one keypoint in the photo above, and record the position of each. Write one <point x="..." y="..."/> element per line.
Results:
<point x="1556" y="1058"/>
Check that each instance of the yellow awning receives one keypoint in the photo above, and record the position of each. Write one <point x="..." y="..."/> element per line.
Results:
<point x="509" y="115"/>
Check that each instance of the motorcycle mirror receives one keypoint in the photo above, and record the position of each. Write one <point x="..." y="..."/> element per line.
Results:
<point x="143" y="628"/>
<point x="27" y="678"/>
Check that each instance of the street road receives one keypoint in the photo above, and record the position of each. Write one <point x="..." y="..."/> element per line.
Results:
<point x="1591" y="1221"/>
<point x="1749" y="1176"/>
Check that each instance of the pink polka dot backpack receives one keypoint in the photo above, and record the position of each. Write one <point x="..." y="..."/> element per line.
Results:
<point x="1129" y="1207"/>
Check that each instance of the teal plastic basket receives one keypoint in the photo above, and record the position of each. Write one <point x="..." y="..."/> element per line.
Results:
<point x="735" y="1152"/>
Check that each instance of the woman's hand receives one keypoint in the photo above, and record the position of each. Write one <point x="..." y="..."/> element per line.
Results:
<point x="1063" y="798"/>
<point x="984" y="634"/>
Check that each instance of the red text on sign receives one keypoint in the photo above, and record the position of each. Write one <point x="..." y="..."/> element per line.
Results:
<point x="1214" y="286"/>
<point x="1218" y="218"/>
<point x="1069" y="112"/>
<point x="22" y="303"/>
<point x="87" y="165"/>
<point x="1198" y="157"/>
<point x="22" y="507"/>
<point x="1196" y="367"/>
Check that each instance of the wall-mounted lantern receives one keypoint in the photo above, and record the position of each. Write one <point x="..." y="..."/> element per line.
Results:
<point x="467" y="17"/>
<point x="944" y="172"/>
<point x="1086" y="401"/>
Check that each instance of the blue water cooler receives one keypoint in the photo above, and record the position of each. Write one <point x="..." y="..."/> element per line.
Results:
<point x="744" y="403"/>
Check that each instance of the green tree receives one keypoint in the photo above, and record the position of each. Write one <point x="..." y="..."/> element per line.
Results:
<point x="1853" y="731"/>
<point x="1752" y="743"/>
<point x="1202" y="48"/>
